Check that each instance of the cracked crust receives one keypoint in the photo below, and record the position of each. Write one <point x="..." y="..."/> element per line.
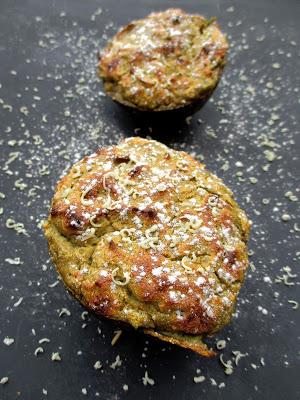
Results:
<point x="165" y="61"/>
<point x="146" y="235"/>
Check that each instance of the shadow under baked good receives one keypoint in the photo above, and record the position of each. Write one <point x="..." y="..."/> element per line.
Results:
<point x="165" y="126"/>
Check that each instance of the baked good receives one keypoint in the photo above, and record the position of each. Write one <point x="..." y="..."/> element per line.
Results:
<point x="165" y="61"/>
<point x="145" y="234"/>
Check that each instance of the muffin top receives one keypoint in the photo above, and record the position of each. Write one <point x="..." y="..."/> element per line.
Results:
<point x="145" y="234"/>
<point x="165" y="61"/>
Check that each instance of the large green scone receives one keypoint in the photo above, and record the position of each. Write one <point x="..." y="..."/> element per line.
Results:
<point x="145" y="234"/>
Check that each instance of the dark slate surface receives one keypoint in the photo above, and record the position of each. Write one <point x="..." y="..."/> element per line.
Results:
<point x="48" y="57"/>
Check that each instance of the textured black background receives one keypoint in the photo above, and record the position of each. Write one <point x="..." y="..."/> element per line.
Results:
<point x="229" y="130"/>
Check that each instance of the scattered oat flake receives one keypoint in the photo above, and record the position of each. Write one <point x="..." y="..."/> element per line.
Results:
<point x="8" y="341"/>
<point x="17" y="303"/>
<point x="294" y="303"/>
<point x="52" y="285"/>
<point x="84" y="314"/>
<point x="262" y="310"/>
<point x="188" y="120"/>
<point x="4" y="380"/>
<point x="276" y="65"/>
<point x="14" y="261"/>
<point x="38" y="350"/>
<point x="147" y="380"/>
<point x="199" y="379"/>
<point x="228" y="368"/>
<point x="286" y="217"/>
<point x="96" y="13"/>
<point x="116" y="337"/>
<point x="55" y="357"/>
<point x="238" y="355"/>
<point x="44" y="340"/>
<point x="117" y="363"/>
<point x="221" y="344"/>
<point x="64" y="311"/>
<point x="97" y="365"/>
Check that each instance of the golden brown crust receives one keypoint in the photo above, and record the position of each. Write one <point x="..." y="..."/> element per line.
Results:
<point x="165" y="61"/>
<point x="146" y="235"/>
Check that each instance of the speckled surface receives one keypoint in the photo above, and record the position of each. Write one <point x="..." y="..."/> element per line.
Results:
<point x="48" y="65"/>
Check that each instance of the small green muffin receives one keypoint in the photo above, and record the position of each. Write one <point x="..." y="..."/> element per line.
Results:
<point x="165" y="61"/>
